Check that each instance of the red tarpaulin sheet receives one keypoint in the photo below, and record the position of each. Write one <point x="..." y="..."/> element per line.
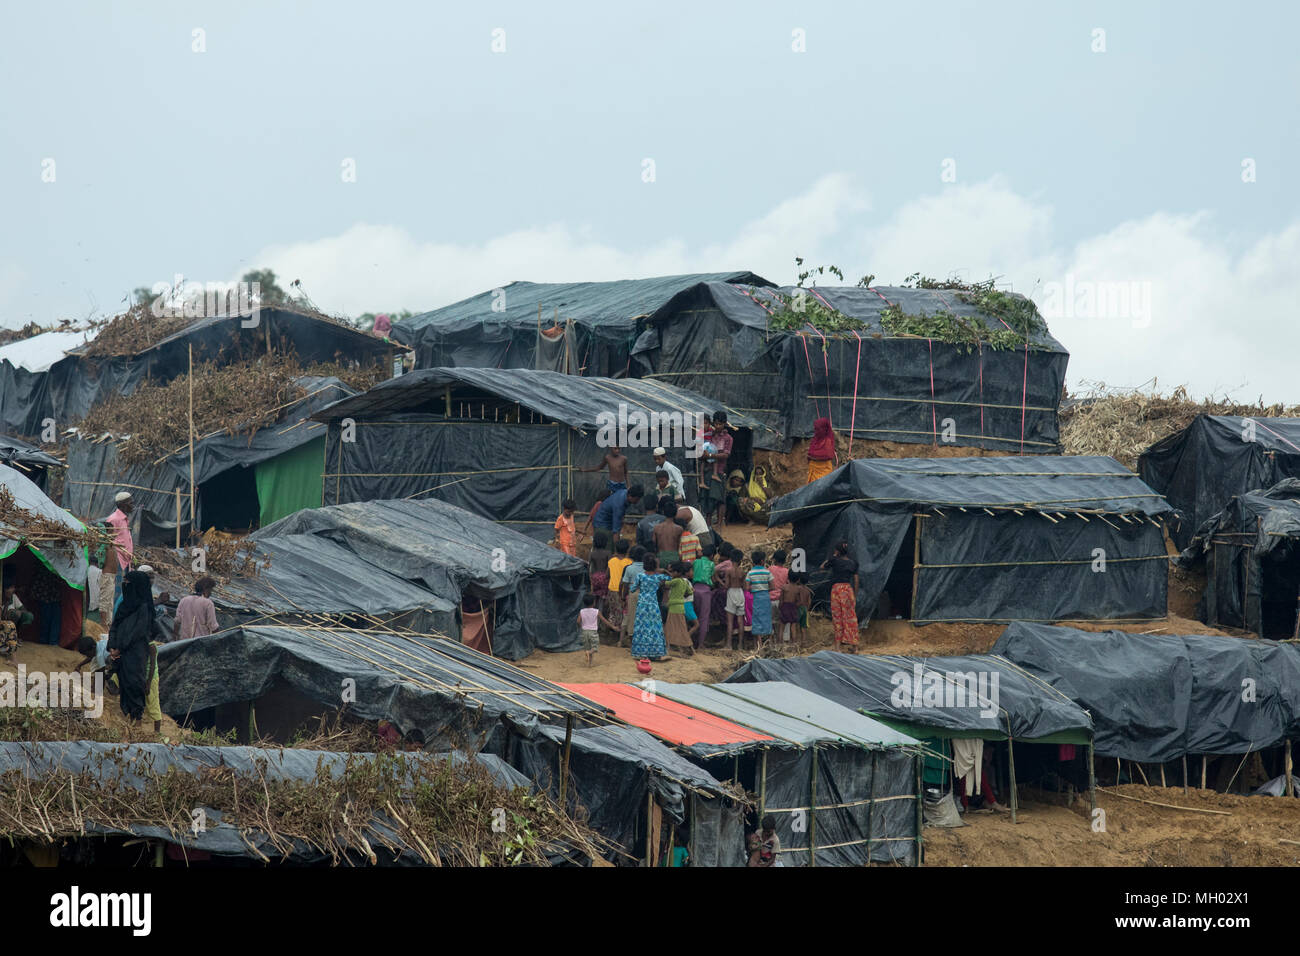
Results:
<point x="666" y="719"/>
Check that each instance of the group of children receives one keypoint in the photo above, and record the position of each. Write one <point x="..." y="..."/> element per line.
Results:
<point x="686" y="598"/>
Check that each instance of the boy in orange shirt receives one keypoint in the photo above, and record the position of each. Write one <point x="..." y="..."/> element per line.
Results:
<point x="565" y="532"/>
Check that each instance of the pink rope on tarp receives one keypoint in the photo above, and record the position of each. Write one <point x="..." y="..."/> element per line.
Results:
<point x="853" y="417"/>
<point x="934" y="414"/>
<point x="1024" y="395"/>
<point x="1275" y="434"/>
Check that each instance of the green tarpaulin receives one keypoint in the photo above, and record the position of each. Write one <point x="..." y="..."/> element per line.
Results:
<point x="290" y="482"/>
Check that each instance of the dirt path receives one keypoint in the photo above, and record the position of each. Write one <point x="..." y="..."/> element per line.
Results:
<point x="1136" y="834"/>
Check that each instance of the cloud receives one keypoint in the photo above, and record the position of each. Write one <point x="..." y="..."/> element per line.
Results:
<point x="1165" y="296"/>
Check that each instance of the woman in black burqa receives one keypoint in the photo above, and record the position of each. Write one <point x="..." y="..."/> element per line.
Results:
<point x="133" y="627"/>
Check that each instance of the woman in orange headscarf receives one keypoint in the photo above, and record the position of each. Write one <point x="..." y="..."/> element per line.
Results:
<point x="821" y="450"/>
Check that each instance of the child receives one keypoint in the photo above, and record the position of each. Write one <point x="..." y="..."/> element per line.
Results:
<point x="766" y="853"/>
<point x="613" y="605"/>
<point x="598" y="558"/>
<point x="735" y="583"/>
<point x="759" y="583"/>
<point x="93" y="651"/>
<point x="93" y="576"/>
<point x="564" y="528"/>
<point x="688" y="548"/>
<point x="630" y="574"/>
<point x="679" y="593"/>
<point x="780" y="575"/>
<point x="788" y="609"/>
<point x="152" y="709"/>
<point x="702" y="584"/>
<point x="805" y="605"/>
<point x="590" y="618"/>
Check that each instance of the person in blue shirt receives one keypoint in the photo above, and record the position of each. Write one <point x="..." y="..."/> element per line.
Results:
<point x="608" y="516"/>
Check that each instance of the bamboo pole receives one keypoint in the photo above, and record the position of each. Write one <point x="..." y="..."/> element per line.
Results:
<point x="916" y="562"/>
<point x="1170" y="806"/>
<point x="649" y="824"/>
<point x="1011" y="773"/>
<point x="1204" y="760"/>
<point x="762" y="787"/>
<point x="920" y="808"/>
<point x="178" y="517"/>
<point x="812" y="813"/>
<point x="1290" y="780"/>
<point x="1184" y="774"/>
<point x="564" y="763"/>
<point x="1092" y="780"/>
<point x="1162" y="775"/>
<point x="871" y="806"/>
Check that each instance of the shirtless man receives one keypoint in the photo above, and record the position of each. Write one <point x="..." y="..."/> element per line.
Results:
<point x="616" y="462"/>
<point x="735" y="581"/>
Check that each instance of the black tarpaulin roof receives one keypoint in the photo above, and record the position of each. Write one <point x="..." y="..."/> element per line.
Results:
<point x="430" y="688"/>
<point x="576" y="401"/>
<point x="130" y="765"/>
<point x="448" y="549"/>
<point x="1267" y="519"/>
<point x="615" y="304"/>
<point x="1215" y="457"/>
<point x="18" y="453"/>
<point x="1022" y="705"/>
<point x="1157" y="697"/>
<point x="1047" y="483"/>
<point x="307" y="574"/>
<point x="753" y="306"/>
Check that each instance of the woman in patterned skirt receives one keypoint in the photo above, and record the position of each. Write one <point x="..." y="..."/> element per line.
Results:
<point x="844" y="589"/>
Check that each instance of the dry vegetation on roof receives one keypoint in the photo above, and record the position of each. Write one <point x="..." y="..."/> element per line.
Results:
<point x="36" y="529"/>
<point x="138" y="328"/>
<point x="229" y="398"/>
<point x="1123" y="425"/>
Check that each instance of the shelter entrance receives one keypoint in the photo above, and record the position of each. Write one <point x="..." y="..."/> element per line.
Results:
<point x="1279" y="589"/>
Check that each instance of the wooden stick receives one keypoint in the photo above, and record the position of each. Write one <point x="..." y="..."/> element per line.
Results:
<point x="564" y="764"/>
<point x="1292" y="842"/>
<point x="1185" y="773"/>
<point x="1162" y="775"/>
<point x="812" y="813"/>
<point x="1171" y="806"/>
<point x="191" y="385"/>
<point x="1204" y="760"/>
<point x="1143" y="773"/>
<point x="1092" y="779"/>
<point x="1290" y="780"/>
<point x="1011" y="775"/>
<point x="178" y="517"/>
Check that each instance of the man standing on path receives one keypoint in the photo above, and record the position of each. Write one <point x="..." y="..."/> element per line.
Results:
<point x="117" y="556"/>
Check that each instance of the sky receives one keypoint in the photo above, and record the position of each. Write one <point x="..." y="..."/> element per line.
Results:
<point x="1124" y="164"/>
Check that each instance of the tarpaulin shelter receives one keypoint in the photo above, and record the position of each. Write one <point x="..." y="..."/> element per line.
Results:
<point x="133" y="767"/>
<point x="529" y="593"/>
<point x="1215" y="457"/>
<point x="1045" y="538"/>
<point x="637" y="791"/>
<point x="242" y="479"/>
<point x="844" y="788"/>
<point x="27" y="459"/>
<point x="716" y="338"/>
<point x="508" y="443"/>
<point x="432" y="689"/>
<point x="69" y="387"/>
<point x="1251" y="551"/>
<point x="582" y="328"/>
<point x="24" y="552"/>
<point x="977" y="696"/>
<point x="1157" y="697"/>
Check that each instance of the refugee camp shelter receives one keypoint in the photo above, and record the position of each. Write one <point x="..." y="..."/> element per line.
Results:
<point x="1251" y="551"/>
<point x="718" y="338"/>
<point x="1155" y="698"/>
<point x="1215" y="457"/>
<point x="23" y="380"/>
<point x="581" y="328"/>
<point x="433" y="690"/>
<point x="137" y="348"/>
<point x="1045" y="538"/>
<point x="273" y="680"/>
<point x="844" y="789"/>
<point x="637" y="792"/>
<point x="40" y="539"/>
<point x="243" y="478"/>
<point x="135" y="767"/>
<point x="28" y="459"/>
<point x="977" y="697"/>
<point x="509" y="443"/>
<point x="509" y="594"/>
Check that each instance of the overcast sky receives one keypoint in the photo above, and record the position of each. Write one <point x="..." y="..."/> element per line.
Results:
<point x="1068" y="149"/>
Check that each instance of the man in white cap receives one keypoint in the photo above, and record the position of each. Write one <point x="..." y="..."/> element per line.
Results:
<point x="674" y="473"/>
<point x="118" y="555"/>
